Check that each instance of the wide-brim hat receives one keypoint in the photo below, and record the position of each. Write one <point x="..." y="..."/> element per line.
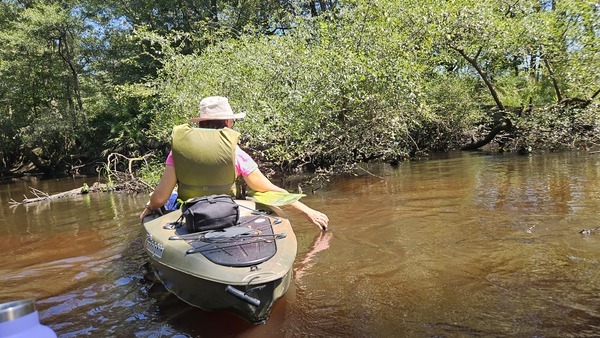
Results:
<point x="216" y="108"/>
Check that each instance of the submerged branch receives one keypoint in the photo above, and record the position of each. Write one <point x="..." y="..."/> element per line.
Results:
<point x="42" y="196"/>
<point x="117" y="181"/>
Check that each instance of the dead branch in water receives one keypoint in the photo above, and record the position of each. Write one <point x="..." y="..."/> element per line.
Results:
<point x="118" y="180"/>
<point x="119" y="168"/>
<point x="42" y="196"/>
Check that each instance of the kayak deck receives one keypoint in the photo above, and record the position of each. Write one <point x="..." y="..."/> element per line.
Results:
<point x="251" y="242"/>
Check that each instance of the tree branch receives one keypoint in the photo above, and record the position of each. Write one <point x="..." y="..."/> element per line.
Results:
<point x="504" y="126"/>
<point x="553" y="78"/>
<point x="482" y="74"/>
<point x="42" y="196"/>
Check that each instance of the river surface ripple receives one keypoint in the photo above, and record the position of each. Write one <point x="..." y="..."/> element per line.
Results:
<point x="459" y="244"/>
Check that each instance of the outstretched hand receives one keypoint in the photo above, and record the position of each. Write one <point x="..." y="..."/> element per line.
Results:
<point x="258" y="182"/>
<point x="317" y="218"/>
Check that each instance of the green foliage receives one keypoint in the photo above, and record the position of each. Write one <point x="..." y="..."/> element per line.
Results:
<point x="40" y="85"/>
<point x="304" y="92"/>
<point x="152" y="171"/>
<point x="558" y="127"/>
<point x="325" y="84"/>
<point x="363" y="84"/>
<point x="453" y="106"/>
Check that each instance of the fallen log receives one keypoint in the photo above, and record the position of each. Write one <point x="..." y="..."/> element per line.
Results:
<point x="503" y="126"/>
<point x="118" y="181"/>
<point x="85" y="189"/>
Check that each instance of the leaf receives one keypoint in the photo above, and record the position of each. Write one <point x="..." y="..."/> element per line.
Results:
<point x="276" y="198"/>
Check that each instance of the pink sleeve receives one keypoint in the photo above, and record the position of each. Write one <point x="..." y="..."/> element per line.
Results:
<point x="244" y="164"/>
<point x="169" y="160"/>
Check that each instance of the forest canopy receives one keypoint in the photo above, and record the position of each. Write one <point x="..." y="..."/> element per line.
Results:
<point x="325" y="84"/>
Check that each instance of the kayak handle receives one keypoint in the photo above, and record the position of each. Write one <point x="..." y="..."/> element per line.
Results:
<point x="239" y="294"/>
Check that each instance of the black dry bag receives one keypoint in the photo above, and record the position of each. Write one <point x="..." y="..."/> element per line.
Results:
<point x="212" y="212"/>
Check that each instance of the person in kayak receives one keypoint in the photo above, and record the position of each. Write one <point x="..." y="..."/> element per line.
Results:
<point x="214" y="167"/>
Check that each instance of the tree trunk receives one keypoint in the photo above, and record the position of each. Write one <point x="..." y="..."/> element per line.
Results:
<point x="559" y="96"/>
<point x="64" y="49"/>
<point x="483" y="74"/>
<point x="503" y="124"/>
<point x="213" y="10"/>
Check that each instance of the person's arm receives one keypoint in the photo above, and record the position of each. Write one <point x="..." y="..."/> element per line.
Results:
<point x="162" y="192"/>
<point x="260" y="183"/>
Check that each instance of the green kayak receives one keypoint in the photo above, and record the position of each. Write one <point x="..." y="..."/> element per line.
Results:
<point x="243" y="269"/>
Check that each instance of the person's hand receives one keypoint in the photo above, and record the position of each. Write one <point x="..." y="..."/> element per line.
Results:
<point x="317" y="218"/>
<point x="147" y="211"/>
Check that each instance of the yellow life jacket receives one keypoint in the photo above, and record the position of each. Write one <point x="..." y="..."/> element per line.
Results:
<point x="204" y="161"/>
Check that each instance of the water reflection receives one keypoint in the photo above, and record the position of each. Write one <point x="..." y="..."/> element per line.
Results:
<point x="468" y="244"/>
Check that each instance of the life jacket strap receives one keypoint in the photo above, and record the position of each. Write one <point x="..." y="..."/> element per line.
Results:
<point x="206" y="187"/>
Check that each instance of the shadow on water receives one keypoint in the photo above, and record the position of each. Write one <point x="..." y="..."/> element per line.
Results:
<point x="464" y="244"/>
<point x="193" y="321"/>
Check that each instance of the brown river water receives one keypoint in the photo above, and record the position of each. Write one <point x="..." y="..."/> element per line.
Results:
<point x="456" y="245"/>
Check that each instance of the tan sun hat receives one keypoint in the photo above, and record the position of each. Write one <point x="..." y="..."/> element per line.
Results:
<point x="216" y="108"/>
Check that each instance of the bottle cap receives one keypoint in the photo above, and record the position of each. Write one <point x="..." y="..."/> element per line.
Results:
<point x="13" y="310"/>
